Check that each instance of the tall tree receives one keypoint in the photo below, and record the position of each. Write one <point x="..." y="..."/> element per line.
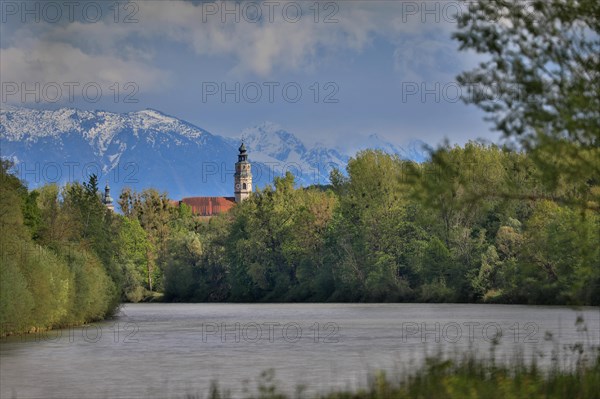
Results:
<point x="155" y="214"/>
<point x="540" y="84"/>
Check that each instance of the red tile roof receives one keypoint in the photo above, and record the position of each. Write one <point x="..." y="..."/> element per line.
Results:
<point x="209" y="206"/>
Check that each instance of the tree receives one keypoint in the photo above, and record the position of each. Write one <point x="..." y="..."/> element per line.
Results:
<point x="16" y="299"/>
<point x="561" y="248"/>
<point x="60" y="282"/>
<point x="183" y="280"/>
<point x="133" y="256"/>
<point x="155" y="214"/>
<point x="540" y="84"/>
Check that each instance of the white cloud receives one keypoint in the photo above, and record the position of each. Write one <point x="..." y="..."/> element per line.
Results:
<point x="46" y="62"/>
<point x="107" y="50"/>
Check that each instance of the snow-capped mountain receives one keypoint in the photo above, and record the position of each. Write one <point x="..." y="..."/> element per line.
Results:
<point x="281" y="151"/>
<point x="151" y="149"/>
<point x="272" y="145"/>
<point x="137" y="149"/>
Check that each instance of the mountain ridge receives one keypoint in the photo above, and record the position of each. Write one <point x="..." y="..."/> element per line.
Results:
<point x="158" y="150"/>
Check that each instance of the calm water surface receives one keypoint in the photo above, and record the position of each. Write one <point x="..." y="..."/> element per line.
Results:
<point x="170" y="350"/>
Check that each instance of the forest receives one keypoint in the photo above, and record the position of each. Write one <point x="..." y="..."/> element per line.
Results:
<point x="477" y="223"/>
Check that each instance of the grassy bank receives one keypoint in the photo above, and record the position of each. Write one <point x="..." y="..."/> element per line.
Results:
<point x="464" y="378"/>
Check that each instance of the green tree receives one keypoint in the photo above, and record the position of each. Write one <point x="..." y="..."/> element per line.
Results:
<point x="183" y="280"/>
<point x="155" y="214"/>
<point x="95" y="227"/>
<point x="16" y="300"/>
<point x="134" y="247"/>
<point x="375" y="230"/>
<point x="562" y="252"/>
<point x="540" y="84"/>
<point x="58" y="279"/>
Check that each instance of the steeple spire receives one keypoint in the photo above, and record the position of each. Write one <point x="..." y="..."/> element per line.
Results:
<point x="107" y="199"/>
<point x="243" y="155"/>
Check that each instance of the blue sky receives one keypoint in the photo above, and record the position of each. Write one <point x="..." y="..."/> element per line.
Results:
<point x="362" y="67"/>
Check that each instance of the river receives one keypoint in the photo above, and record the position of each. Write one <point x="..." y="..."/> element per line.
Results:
<point x="170" y="350"/>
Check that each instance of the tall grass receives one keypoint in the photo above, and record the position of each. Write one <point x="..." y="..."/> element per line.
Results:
<point x="464" y="377"/>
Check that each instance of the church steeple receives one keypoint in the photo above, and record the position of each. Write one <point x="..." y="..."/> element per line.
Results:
<point x="107" y="199"/>
<point x="243" y="156"/>
<point x="243" y="176"/>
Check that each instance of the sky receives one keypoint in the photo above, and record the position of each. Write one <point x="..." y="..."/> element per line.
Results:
<point x="332" y="72"/>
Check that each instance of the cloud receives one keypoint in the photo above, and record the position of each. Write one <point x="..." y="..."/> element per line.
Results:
<point x="281" y="41"/>
<point x="61" y="54"/>
<point x="280" y="45"/>
<point x="54" y="65"/>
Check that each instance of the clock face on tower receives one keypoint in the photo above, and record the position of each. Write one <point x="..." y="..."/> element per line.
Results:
<point x="237" y="186"/>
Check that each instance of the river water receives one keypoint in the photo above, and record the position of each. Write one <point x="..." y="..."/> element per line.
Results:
<point x="171" y="350"/>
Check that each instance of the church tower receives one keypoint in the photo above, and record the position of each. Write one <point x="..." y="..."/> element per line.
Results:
<point x="243" y="176"/>
<point x="107" y="199"/>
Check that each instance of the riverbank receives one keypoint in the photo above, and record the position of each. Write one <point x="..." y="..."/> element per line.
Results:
<point x="467" y="377"/>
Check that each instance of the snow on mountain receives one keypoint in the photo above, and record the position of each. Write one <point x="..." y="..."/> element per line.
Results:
<point x="272" y="145"/>
<point x="99" y="127"/>
<point x="270" y="140"/>
<point x="151" y="149"/>
<point x="282" y="151"/>
<point x="415" y="150"/>
<point x="139" y="149"/>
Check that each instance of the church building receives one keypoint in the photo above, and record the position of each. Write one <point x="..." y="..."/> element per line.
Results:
<point x="207" y="207"/>
<point x="211" y="206"/>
